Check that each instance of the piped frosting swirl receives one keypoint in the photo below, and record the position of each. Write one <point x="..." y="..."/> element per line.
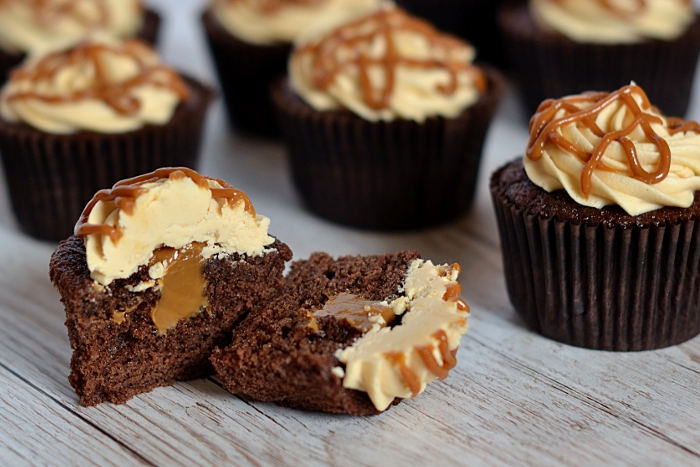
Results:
<point x="98" y="85"/>
<point x="389" y="362"/>
<point x="387" y="65"/>
<point x="614" y="21"/>
<point x="173" y="208"/>
<point x="614" y="148"/>
<point x="267" y="22"/>
<point x="29" y="25"/>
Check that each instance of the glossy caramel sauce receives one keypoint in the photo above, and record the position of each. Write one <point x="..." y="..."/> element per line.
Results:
<point x="448" y="357"/>
<point x="355" y="310"/>
<point x="326" y="64"/>
<point x="119" y="96"/>
<point x="125" y="192"/>
<point x="182" y="286"/>
<point x="410" y="378"/>
<point x="544" y="127"/>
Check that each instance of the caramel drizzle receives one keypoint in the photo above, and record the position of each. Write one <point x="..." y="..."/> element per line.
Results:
<point x="410" y="378"/>
<point x="454" y="290"/>
<point x="125" y="192"/>
<point x="387" y="21"/>
<point x="355" y="310"/>
<point x="640" y="6"/>
<point x="119" y="96"/>
<point x="269" y="7"/>
<point x="544" y="128"/>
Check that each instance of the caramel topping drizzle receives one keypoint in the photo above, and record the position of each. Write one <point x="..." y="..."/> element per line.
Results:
<point x="355" y="310"/>
<point x="409" y="377"/>
<point x="119" y="96"/>
<point x="269" y="7"/>
<point x="326" y="65"/>
<point x="182" y="286"/>
<point x="125" y="192"/>
<point x="448" y="357"/>
<point x="544" y="128"/>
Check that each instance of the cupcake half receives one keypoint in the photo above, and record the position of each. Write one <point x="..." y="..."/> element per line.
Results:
<point x="78" y="120"/>
<point x="250" y="42"/>
<point x="384" y="119"/>
<point x="27" y="26"/>
<point x="560" y="47"/>
<point x="598" y="223"/>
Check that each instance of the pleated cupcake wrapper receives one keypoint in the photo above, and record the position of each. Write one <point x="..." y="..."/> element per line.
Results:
<point x="473" y="20"/>
<point x="551" y="66"/>
<point x="384" y="175"/>
<point x="600" y="287"/>
<point x="246" y="72"/>
<point x="51" y="177"/>
<point x="148" y="33"/>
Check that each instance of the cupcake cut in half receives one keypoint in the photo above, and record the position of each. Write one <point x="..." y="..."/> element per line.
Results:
<point x="352" y="335"/>
<point x="160" y="269"/>
<point x="77" y="120"/>
<point x="598" y="223"/>
<point x="250" y="42"/>
<point x="32" y="25"/>
<point x="560" y="47"/>
<point x="384" y="119"/>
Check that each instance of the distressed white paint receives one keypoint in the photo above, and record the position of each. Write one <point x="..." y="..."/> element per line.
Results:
<point x="515" y="398"/>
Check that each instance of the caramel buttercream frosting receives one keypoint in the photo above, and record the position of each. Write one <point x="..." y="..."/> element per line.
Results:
<point x="400" y="360"/>
<point x="100" y="85"/>
<point x="266" y="22"/>
<point x="614" y="148"/>
<point x="30" y="25"/>
<point x="614" y="21"/>
<point x="172" y="213"/>
<point x="387" y="65"/>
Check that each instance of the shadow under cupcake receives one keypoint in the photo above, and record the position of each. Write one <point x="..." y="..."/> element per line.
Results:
<point x="75" y="121"/>
<point x="386" y="140"/>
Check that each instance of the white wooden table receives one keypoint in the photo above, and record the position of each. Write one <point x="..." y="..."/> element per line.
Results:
<point x="515" y="398"/>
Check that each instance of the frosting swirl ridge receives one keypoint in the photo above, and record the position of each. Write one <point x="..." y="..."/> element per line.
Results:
<point x="266" y="22"/>
<point x="28" y="25"/>
<point x="614" y="148"/>
<point x="387" y="65"/>
<point x="614" y="21"/>
<point x="98" y="85"/>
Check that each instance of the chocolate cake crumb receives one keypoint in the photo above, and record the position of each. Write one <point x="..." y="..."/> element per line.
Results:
<point x="276" y="356"/>
<point x="114" y="361"/>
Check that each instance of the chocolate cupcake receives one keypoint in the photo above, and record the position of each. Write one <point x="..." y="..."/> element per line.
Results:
<point x="160" y="270"/>
<point x="560" y="47"/>
<point x="250" y="41"/>
<point x="598" y="223"/>
<point x="472" y="20"/>
<point x="78" y="120"/>
<point x="386" y="137"/>
<point x="28" y="25"/>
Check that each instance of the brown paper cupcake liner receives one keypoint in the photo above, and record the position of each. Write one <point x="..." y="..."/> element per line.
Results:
<point x="473" y="20"/>
<point x="609" y="288"/>
<point x="246" y="72"/>
<point x="384" y="175"/>
<point x="51" y="177"/>
<point x="147" y="33"/>
<point x="549" y="65"/>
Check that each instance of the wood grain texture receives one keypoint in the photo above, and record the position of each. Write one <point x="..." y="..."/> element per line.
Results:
<point x="514" y="398"/>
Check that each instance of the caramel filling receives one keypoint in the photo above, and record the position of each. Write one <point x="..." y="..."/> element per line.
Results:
<point x="182" y="286"/>
<point x="364" y="32"/>
<point x="119" y="96"/>
<point x="544" y="127"/>
<point x="125" y="192"/>
<point x="355" y="310"/>
<point x="269" y="7"/>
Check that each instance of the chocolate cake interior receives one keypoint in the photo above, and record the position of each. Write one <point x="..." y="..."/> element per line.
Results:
<point x="284" y="352"/>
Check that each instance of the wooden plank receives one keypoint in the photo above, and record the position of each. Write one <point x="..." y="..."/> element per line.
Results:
<point x="515" y="402"/>
<point x="34" y="430"/>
